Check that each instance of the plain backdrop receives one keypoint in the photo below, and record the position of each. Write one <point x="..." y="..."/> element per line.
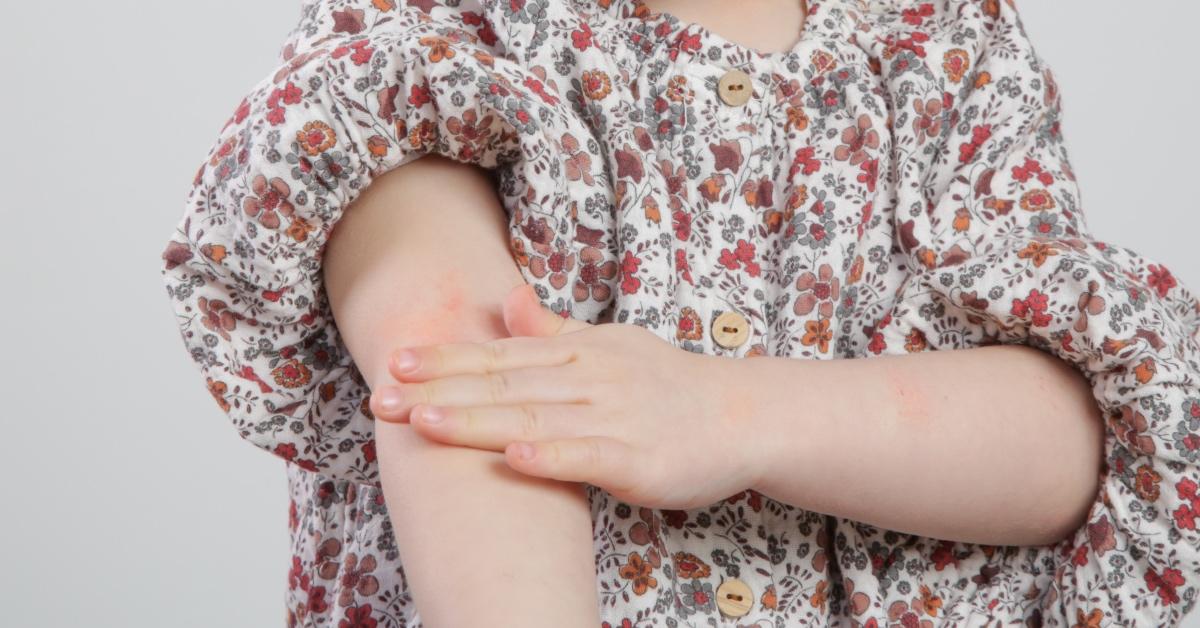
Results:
<point x="127" y="499"/>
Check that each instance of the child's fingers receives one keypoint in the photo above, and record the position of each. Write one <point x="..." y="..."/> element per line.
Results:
<point x="421" y="363"/>
<point x="598" y="460"/>
<point x="537" y="384"/>
<point x="494" y="427"/>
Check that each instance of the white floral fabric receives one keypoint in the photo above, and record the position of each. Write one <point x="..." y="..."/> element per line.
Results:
<point x="897" y="182"/>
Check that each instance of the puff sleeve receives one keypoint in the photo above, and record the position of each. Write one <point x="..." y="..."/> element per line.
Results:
<point x="363" y="86"/>
<point x="989" y="219"/>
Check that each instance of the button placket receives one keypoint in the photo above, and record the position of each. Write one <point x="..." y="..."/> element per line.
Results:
<point x="734" y="598"/>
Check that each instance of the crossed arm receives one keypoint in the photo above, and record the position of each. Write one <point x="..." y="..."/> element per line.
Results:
<point x="422" y="257"/>
<point x="931" y="443"/>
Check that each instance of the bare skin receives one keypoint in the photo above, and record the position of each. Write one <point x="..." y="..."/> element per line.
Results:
<point x="933" y="443"/>
<point x="767" y="26"/>
<point x="411" y="263"/>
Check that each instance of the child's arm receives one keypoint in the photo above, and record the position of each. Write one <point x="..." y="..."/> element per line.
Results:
<point x="422" y="258"/>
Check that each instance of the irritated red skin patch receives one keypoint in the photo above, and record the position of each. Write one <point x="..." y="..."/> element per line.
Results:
<point x="912" y="405"/>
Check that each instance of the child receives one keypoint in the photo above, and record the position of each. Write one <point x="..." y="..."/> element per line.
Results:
<point x="892" y="184"/>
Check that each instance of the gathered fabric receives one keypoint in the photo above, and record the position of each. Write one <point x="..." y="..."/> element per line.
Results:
<point x="896" y="182"/>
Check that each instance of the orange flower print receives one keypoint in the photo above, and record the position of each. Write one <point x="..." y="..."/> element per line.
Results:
<point x="690" y="326"/>
<point x="819" y="597"/>
<point x="915" y="341"/>
<point x="817" y="333"/>
<point x="270" y="200"/>
<point x="217" y="389"/>
<point x="688" y="565"/>
<point x="1147" y="483"/>
<point x="1037" y="200"/>
<point x="822" y="61"/>
<point x="439" y="48"/>
<point x="927" y="603"/>
<point x="639" y="571"/>
<point x="422" y="135"/>
<point x="214" y="252"/>
<point x="1091" y="620"/>
<point x="316" y="138"/>
<point x="956" y="63"/>
<point x="1039" y="252"/>
<point x="769" y="599"/>
<point x="291" y="374"/>
<point x="796" y="119"/>
<point x="596" y="84"/>
<point x="856" y="270"/>
<point x="962" y="219"/>
<point x="678" y="90"/>
<point x="299" y="230"/>
<point x="983" y="79"/>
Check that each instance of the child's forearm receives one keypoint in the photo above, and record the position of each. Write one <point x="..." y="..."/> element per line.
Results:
<point x="998" y="445"/>
<point x="422" y="257"/>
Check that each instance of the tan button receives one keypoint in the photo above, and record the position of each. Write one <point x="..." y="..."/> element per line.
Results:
<point x="730" y="330"/>
<point x="734" y="598"/>
<point x="734" y="88"/>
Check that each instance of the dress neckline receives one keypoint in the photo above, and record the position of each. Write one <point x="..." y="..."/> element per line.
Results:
<point x="692" y="39"/>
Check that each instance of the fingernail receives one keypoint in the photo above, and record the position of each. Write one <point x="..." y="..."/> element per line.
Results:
<point x="524" y="451"/>
<point x="390" y="400"/>
<point x="406" y="361"/>
<point x="431" y="414"/>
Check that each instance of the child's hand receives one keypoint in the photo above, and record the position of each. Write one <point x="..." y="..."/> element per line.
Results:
<point x="612" y="405"/>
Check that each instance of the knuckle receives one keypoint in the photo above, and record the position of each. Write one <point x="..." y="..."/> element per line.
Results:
<point x="592" y="454"/>
<point x="498" y="386"/>
<point x="493" y="355"/>
<point x="531" y="422"/>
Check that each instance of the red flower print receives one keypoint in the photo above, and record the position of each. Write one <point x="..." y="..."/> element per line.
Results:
<point x="1035" y="304"/>
<point x="917" y="16"/>
<point x="419" y="95"/>
<point x="869" y="173"/>
<point x="805" y="162"/>
<point x="734" y="259"/>
<point x="1160" y="279"/>
<point x="682" y="221"/>
<point x="359" y="617"/>
<point x="539" y="88"/>
<point x="682" y="267"/>
<point x="287" y="451"/>
<point x="1185" y="517"/>
<point x="979" y="135"/>
<point x="629" y="268"/>
<point x="1165" y="584"/>
<point x="348" y="21"/>
<point x="316" y="600"/>
<point x="582" y="38"/>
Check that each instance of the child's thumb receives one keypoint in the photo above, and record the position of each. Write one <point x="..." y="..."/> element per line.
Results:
<point x="524" y="315"/>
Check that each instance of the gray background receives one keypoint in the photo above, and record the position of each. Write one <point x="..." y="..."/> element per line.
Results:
<point x="128" y="501"/>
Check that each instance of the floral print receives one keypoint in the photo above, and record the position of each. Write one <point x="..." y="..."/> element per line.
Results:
<point x="898" y="182"/>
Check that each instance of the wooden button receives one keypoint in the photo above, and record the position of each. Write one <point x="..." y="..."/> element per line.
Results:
<point x="734" y="88"/>
<point x="734" y="598"/>
<point x="730" y="330"/>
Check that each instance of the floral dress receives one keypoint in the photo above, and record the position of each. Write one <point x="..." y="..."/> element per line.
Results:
<point x="896" y="182"/>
